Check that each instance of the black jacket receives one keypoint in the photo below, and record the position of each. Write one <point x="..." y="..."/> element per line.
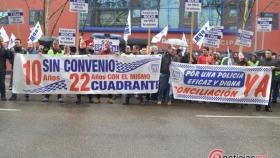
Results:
<point x="271" y="62"/>
<point x="4" y="55"/>
<point x="15" y="50"/>
<point x="84" y="52"/>
<point x="165" y="63"/>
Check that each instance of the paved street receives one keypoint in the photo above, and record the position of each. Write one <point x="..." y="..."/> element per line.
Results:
<point x="34" y="129"/>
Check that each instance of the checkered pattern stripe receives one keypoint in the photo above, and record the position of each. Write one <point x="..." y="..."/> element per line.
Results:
<point x="220" y="67"/>
<point x="60" y="85"/>
<point x="223" y="100"/>
<point x="127" y="67"/>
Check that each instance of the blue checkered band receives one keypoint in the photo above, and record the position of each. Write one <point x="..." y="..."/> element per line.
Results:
<point x="60" y="85"/>
<point x="127" y="67"/>
<point x="223" y="100"/>
<point x="220" y="67"/>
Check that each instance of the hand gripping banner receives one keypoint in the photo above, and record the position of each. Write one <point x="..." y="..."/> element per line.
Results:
<point x="224" y="84"/>
<point x="87" y="74"/>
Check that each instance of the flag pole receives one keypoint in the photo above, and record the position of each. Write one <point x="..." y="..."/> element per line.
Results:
<point x="256" y="33"/>
<point x="78" y="32"/>
<point x="263" y="40"/>
<point x="191" y="36"/>
<point x="149" y="41"/>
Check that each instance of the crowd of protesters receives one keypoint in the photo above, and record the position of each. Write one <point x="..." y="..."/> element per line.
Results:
<point x="172" y="53"/>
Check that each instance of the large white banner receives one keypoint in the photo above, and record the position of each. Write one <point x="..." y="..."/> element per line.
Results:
<point x="95" y="74"/>
<point x="225" y="84"/>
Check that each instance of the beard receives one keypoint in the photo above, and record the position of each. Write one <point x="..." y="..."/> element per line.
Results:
<point x="17" y="49"/>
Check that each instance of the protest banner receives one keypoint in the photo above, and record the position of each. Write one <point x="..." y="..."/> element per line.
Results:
<point x="193" y="5"/>
<point x="149" y="19"/>
<point x="212" y="39"/>
<point x="15" y="16"/>
<point x="67" y="36"/>
<point x="225" y="84"/>
<point x="264" y="24"/>
<point x="99" y="44"/>
<point x="77" y="74"/>
<point x="244" y="38"/>
<point x="80" y="6"/>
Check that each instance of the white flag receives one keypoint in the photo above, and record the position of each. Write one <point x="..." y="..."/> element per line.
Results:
<point x="127" y="29"/>
<point x="158" y="37"/>
<point x="4" y="35"/>
<point x="36" y="33"/>
<point x="184" y="48"/>
<point x="229" y="58"/>
<point x="199" y="37"/>
<point x="12" y="41"/>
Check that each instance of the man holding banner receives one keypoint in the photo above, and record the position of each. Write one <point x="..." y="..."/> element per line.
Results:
<point x="4" y="55"/>
<point x="164" y="86"/>
<point x="16" y="49"/>
<point x="105" y="51"/>
<point x="268" y="61"/>
<point x="84" y="51"/>
<point x="54" y="51"/>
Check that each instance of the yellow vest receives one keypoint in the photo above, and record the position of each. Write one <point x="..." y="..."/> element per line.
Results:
<point x="51" y="53"/>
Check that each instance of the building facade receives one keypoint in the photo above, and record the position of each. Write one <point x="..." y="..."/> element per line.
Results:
<point x="109" y="16"/>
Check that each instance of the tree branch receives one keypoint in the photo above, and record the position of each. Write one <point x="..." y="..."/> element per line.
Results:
<point x="59" y="9"/>
<point x="56" y="22"/>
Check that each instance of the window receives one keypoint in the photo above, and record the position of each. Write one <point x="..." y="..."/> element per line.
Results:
<point x="169" y="13"/>
<point x="35" y="16"/>
<point x="136" y="18"/>
<point x="211" y="11"/>
<point x="149" y="4"/>
<point x="111" y="3"/>
<point x="4" y="18"/>
<point x="113" y="13"/>
<point x="111" y="18"/>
